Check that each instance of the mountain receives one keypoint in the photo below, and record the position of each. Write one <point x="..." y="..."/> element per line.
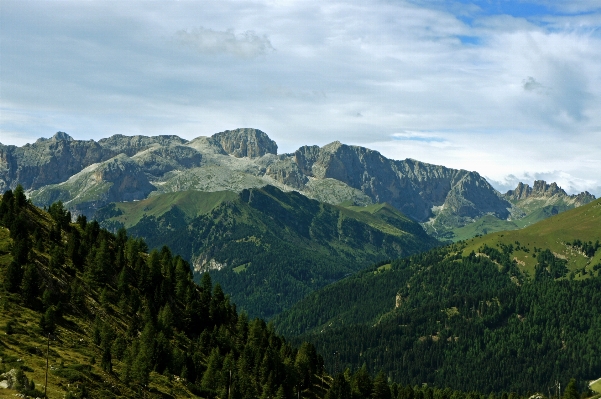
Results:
<point x="86" y="175"/>
<point x="267" y="247"/>
<point x="451" y="204"/>
<point x="510" y="309"/>
<point x="529" y="205"/>
<point x="114" y="321"/>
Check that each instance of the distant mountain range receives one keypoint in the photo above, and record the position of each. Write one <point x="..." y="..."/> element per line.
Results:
<point x="87" y="175"/>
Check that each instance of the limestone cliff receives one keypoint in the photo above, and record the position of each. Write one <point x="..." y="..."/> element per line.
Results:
<point x="251" y="143"/>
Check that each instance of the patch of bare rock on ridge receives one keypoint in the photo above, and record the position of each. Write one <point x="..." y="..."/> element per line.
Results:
<point x="541" y="189"/>
<point x="87" y="175"/>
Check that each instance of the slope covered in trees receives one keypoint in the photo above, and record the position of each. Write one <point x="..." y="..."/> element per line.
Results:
<point x="479" y="320"/>
<point x="266" y="247"/>
<point x="122" y="322"/>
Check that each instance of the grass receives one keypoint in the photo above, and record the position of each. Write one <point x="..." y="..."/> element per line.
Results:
<point x="192" y="203"/>
<point x="491" y="224"/>
<point x="596" y="386"/>
<point x="241" y="268"/>
<point x="582" y="223"/>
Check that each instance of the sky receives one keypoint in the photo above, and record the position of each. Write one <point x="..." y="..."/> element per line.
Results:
<point x="508" y="88"/>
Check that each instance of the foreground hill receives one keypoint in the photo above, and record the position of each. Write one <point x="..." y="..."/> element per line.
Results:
<point x="87" y="175"/>
<point x="117" y="322"/>
<point x="113" y="321"/>
<point x="266" y="247"/>
<point x="473" y="314"/>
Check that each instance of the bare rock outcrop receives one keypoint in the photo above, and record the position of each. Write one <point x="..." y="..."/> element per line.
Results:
<point x="251" y="143"/>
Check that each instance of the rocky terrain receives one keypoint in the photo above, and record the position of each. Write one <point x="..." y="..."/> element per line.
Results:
<point x="87" y="175"/>
<point x="541" y="194"/>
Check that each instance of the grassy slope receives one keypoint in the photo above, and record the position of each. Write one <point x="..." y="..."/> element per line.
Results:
<point x="579" y="223"/>
<point x="195" y="203"/>
<point x="596" y="386"/>
<point x="491" y="224"/>
<point x="192" y="203"/>
<point x="582" y="223"/>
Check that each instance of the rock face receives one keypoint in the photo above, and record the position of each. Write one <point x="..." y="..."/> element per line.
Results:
<point x="411" y="186"/>
<point x="86" y="175"/>
<point x="251" y="143"/>
<point x="54" y="160"/>
<point x="547" y="193"/>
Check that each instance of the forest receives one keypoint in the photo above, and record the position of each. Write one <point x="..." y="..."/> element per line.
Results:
<point x="128" y="322"/>
<point x="465" y="322"/>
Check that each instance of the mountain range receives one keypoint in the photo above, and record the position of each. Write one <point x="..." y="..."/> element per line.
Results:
<point x="88" y="175"/>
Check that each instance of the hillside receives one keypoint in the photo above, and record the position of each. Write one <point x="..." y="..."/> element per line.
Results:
<point x="556" y="233"/>
<point x="529" y="205"/>
<point x="124" y="323"/>
<point x="471" y="314"/>
<point x="266" y="247"/>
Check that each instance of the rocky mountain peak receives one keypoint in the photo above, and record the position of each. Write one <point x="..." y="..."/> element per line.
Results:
<point x="540" y="189"/>
<point x="61" y="136"/>
<point x="246" y="142"/>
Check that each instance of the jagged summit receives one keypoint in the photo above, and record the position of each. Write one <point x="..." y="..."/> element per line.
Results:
<point x="62" y="136"/>
<point x="542" y="190"/>
<point x="246" y="142"/>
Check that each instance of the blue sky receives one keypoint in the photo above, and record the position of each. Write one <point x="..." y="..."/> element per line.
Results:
<point x="511" y="89"/>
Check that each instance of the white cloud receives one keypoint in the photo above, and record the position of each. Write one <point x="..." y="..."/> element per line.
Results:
<point x="246" y="45"/>
<point x="439" y="82"/>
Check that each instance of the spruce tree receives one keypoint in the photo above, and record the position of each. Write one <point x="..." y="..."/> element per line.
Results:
<point x="30" y="284"/>
<point x="13" y="277"/>
<point x="571" y="391"/>
<point x="381" y="388"/>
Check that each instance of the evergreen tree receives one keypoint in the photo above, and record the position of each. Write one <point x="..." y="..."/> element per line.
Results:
<point x="13" y="277"/>
<point x="571" y="391"/>
<point x="340" y="388"/>
<point x="20" y="198"/>
<point x="381" y="388"/>
<point x="30" y="284"/>
<point x="362" y="383"/>
<point x="210" y="378"/>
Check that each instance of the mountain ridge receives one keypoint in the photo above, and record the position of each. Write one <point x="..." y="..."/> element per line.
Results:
<point x="440" y="198"/>
<point x="267" y="247"/>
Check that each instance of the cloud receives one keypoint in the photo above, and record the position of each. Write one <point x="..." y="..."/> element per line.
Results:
<point x="419" y="136"/>
<point x="462" y="85"/>
<point x="245" y="45"/>
<point x="530" y="84"/>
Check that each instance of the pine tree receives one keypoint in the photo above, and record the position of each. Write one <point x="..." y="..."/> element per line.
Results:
<point x="30" y="284"/>
<point x="106" y="362"/>
<point x="13" y="277"/>
<point x="20" y="198"/>
<point x="571" y="391"/>
<point x="210" y="378"/>
<point x="340" y="389"/>
<point x="381" y="388"/>
<point x="362" y="383"/>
